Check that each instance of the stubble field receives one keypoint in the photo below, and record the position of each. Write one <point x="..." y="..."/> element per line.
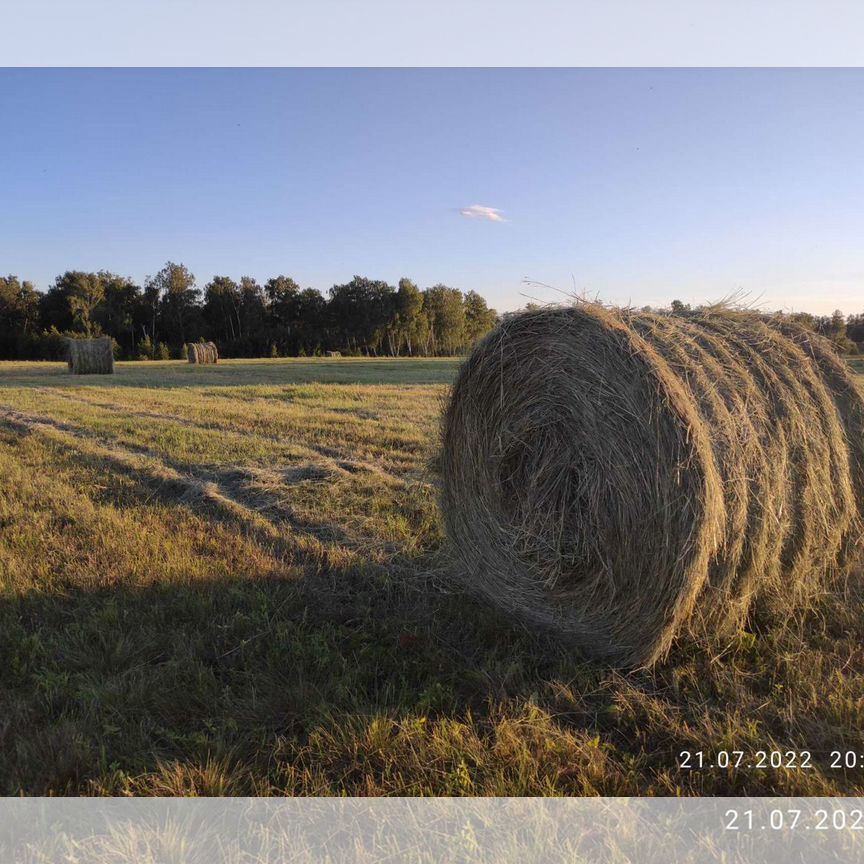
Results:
<point x="230" y="580"/>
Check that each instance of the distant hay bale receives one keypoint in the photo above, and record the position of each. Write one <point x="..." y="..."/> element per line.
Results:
<point x="91" y="356"/>
<point x="624" y="477"/>
<point x="202" y="352"/>
<point x="334" y="353"/>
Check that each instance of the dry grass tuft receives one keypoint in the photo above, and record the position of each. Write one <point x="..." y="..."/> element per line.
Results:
<point x="91" y="356"/>
<point x="625" y="477"/>
<point x="202" y="352"/>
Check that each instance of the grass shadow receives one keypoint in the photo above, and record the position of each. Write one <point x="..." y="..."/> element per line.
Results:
<point x="362" y="681"/>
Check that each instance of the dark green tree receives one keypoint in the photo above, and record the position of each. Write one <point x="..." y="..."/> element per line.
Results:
<point x="479" y="318"/>
<point x="361" y="311"/>
<point x="282" y="293"/>
<point x="19" y="316"/>
<point x="70" y="301"/>
<point x="178" y="301"/>
<point x="312" y="320"/>
<point x="411" y="323"/>
<point x="222" y="308"/>
<point x="253" y="317"/>
<point x="116" y="314"/>
<point x="87" y="292"/>
<point x="446" y="312"/>
<point x="855" y="328"/>
<point x="283" y="311"/>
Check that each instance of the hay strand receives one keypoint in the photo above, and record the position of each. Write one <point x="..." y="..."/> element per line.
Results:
<point x="91" y="356"/>
<point x="625" y="477"/>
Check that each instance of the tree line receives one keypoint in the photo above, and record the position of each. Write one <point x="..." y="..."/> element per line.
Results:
<point x="277" y="319"/>
<point x="244" y="318"/>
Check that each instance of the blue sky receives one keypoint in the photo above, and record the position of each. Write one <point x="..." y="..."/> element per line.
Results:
<point x="637" y="186"/>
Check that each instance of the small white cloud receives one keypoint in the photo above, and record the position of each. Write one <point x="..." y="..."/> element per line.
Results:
<point x="476" y="211"/>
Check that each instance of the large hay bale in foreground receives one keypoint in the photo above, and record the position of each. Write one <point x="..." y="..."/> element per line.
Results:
<point x="91" y="356"/>
<point x="623" y="477"/>
<point x="202" y="352"/>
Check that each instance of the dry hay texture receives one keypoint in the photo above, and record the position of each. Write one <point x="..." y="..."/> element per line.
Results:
<point x="91" y="356"/>
<point x="627" y="478"/>
<point x="202" y="352"/>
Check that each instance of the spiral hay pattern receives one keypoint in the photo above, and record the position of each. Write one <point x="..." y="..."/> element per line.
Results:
<point x="91" y="356"/>
<point x="623" y="477"/>
<point x="202" y="352"/>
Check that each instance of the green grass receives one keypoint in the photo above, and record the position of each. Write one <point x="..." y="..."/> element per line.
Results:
<point x="238" y="373"/>
<point x="857" y="364"/>
<point x="230" y="580"/>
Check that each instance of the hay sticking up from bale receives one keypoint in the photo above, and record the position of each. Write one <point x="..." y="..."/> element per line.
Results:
<point x="91" y="356"/>
<point x="626" y="477"/>
<point x="202" y="352"/>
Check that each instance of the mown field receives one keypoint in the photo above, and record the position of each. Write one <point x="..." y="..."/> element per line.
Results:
<point x="230" y="580"/>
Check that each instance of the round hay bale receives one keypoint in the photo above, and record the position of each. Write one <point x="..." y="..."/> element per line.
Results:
<point x="202" y="352"/>
<point x="847" y="400"/>
<point x="91" y="356"/>
<point x="622" y="478"/>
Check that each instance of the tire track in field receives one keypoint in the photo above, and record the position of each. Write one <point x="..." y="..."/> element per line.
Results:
<point x="335" y="457"/>
<point x="224" y="494"/>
